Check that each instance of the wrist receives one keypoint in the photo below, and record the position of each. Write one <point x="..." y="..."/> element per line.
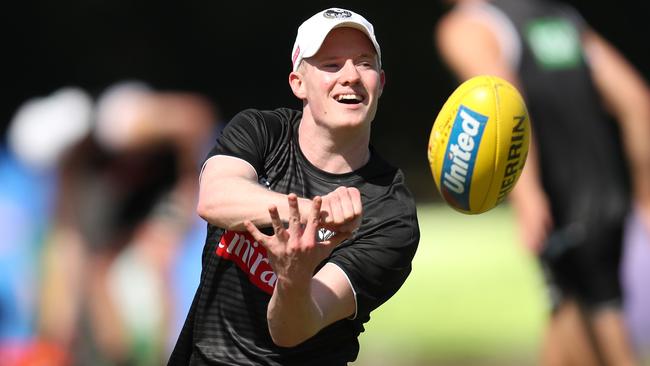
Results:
<point x="298" y="286"/>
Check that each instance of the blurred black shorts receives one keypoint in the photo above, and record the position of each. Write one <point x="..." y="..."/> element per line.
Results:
<point x="582" y="262"/>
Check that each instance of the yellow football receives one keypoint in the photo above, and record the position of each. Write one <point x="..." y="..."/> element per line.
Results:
<point x="479" y="143"/>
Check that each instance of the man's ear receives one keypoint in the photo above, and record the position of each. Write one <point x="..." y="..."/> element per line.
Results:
<point x="382" y="82"/>
<point x="297" y="85"/>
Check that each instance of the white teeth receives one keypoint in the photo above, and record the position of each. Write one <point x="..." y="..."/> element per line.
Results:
<point x="348" y="97"/>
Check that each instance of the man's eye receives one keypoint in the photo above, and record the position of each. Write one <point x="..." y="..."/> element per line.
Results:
<point x="367" y="63"/>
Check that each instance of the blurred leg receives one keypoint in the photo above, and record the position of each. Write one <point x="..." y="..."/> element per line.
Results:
<point x="64" y="269"/>
<point x="552" y="354"/>
<point x="612" y="337"/>
<point x="567" y="341"/>
<point x="157" y="243"/>
<point x="106" y="324"/>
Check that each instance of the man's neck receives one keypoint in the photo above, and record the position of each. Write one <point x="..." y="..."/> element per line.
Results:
<point x="334" y="151"/>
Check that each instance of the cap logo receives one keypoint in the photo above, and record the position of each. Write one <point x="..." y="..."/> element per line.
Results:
<point x="336" y="13"/>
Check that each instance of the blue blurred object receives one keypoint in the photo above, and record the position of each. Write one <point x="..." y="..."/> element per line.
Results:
<point x="186" y="275"/>
<point x="26" y="197"/>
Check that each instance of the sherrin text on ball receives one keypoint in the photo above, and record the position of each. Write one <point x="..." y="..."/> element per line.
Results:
<point x="479" y="143"/>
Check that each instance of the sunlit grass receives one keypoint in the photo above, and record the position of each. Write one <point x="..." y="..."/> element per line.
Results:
<point x="474" y="297"/>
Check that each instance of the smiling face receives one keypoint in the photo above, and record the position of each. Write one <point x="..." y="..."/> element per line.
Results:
<point x="341" y="84"/>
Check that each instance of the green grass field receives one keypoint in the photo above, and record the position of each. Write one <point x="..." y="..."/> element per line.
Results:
<point x="475" y="297"/>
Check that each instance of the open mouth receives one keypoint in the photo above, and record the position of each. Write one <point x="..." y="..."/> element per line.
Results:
<point x="349" y="98"/>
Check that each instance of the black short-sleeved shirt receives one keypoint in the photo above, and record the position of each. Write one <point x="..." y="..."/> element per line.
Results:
<point x="227" y="322"/>
<point x="583" y="165"/>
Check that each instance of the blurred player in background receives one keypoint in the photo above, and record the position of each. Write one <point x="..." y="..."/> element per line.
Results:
<point x="38" y="133"/>
<point x="574" y="195"/>
<point x="126" y="197"/>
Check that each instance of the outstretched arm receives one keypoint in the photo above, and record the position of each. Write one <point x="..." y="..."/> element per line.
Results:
<point x="230" y="194"/>
<point x="627" y="97"/>
<point x="303" y="304"/>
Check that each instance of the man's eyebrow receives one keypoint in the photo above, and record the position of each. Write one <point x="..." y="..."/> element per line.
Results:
<point x="330" y="58"/>
<point x="366" y="55"/>
<point x="338" y="57"/>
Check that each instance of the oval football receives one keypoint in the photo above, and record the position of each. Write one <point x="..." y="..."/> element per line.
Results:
<point x="479" y="143"/>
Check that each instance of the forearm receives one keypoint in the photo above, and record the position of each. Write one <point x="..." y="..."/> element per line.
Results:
<point x="531" y="204"/>
<point x="641" y="182"/>
<point x="529" y="183"/>
<point x="636" y="130"/>
<point x="178" y="117"/>
<point x="293" y="315"/>
<point x="627" y="96"/>
<point x="228" y="202"/>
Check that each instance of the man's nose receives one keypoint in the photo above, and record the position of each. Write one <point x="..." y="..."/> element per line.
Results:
<point x="349" y="73"/>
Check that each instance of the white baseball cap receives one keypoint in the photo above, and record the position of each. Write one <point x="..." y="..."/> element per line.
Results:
<point x="44" y="127"/>
<point x="313" y="31"/>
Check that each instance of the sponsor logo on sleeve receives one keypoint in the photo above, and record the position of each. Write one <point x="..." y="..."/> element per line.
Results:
<point x="250" y="256"/>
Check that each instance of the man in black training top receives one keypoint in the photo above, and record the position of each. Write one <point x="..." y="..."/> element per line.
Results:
<point x="300" y="294"/>
<point x="574" y="193"/>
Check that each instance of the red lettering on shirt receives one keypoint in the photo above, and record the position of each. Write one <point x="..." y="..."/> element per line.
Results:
<point x="250" y="257"/>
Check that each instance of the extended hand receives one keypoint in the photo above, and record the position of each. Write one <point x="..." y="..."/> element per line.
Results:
<point x="294" y="252"/>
